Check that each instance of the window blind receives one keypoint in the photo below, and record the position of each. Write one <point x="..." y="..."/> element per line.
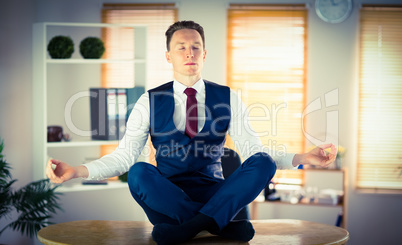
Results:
<point x="119" y="44"/>
<point x="267" y="66"/>
<point x="380" y="99"/>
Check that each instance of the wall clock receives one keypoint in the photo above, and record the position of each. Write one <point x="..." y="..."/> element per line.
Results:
<point x="333" y="11"/>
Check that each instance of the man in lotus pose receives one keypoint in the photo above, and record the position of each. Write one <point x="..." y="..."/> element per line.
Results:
<point x="188" y="120"/>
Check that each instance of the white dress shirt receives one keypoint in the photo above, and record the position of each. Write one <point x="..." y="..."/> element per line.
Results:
<point x="131" y="145"/>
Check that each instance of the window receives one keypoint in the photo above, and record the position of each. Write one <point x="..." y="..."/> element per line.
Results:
<point x="267" y="66"/>
<point x="119" y="43"/>
<point x="380" y="99"/>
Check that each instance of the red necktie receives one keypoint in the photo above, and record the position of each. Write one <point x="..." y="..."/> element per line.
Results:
<point x="191" y="114"/>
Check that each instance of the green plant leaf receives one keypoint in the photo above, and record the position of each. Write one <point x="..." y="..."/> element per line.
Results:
<point x="5" y="198"/>
<point x="34" y="202"/>
<point x="5" y="173"/>
<point x="38" y="196"/>
<point x="29" y="224"/>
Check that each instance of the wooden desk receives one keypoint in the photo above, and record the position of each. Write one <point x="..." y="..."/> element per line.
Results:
<point x="101" y="232"/>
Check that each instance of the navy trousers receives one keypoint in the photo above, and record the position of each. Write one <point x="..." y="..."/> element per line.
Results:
<point x="176" y="202"/>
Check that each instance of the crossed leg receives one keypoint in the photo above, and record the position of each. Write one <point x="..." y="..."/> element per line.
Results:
<point x="178" y="218"/>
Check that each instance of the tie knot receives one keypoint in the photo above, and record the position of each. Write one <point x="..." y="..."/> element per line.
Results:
<point x="190" y="91"/>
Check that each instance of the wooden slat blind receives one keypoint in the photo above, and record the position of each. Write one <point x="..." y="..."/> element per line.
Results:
<point x="380" y="98"/>
<point x="119" y="43"/>
<point x="267" y="66"/>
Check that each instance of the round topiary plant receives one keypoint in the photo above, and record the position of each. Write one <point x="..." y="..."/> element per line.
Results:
<point x="92" y="48"/>
<point x="60" y="47"/>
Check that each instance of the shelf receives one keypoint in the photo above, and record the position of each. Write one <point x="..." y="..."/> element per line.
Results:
<point x="300" y="203"/>
<point x="324" y="169"/>
<point x="76" y="187"/>
<point x="313" y="177"/>
<point x="52" y="86"/>
<point x="82" y="143"/>
<point x="106" y="25"/>
<point x="95" y="61"/>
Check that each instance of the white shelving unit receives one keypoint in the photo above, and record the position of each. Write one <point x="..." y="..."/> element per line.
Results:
<point x="57" y="80"/>
<point x="95" y="61"/>
<point x="81" y="143"/>
<point x="77" y="186"/>
<point x="320" y="178"/>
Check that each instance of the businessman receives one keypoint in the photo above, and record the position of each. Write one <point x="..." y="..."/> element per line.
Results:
<point x="188" y="120"/>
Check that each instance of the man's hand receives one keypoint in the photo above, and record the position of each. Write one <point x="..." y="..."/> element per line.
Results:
<point x="64" y="172"/>
<point x="317" y="156"/>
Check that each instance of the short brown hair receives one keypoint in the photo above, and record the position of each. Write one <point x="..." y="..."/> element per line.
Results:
<point x="185" y="24"/>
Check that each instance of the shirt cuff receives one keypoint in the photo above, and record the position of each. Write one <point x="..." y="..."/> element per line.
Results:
<point x="93" y="171"/>
<point x="285" y="162"/>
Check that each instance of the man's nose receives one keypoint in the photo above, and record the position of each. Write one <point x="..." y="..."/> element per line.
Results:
<point x="190" y="54"/>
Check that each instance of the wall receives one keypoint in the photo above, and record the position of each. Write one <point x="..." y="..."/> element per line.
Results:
<point x="332" y="64"/>
<point x="16" y="95"/>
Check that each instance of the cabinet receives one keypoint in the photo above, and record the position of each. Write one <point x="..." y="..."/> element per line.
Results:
<point x="317" y="212"/>
<point x="61" y="93"/>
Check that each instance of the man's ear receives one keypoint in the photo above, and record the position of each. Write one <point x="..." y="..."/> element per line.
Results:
<point x="167" y="54"/>
<point x="204" y="55"/>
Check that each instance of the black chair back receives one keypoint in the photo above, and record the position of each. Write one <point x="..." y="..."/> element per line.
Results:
<point x="230" y="162"/>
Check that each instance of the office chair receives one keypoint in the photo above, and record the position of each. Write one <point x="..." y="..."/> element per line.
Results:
<point x="230" y="162"/>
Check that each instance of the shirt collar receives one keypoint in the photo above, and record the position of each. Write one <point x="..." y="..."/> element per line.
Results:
<point x="179" y="87"/>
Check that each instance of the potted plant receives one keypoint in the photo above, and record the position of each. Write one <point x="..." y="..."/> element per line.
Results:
<point x="34" y="202"/>
<point x="92" y="48"/>
<point x="60" y="47"/>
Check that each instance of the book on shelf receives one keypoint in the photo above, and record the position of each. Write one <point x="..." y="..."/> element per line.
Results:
<point x="121" y="111"/>
<point x="110" y="109"/>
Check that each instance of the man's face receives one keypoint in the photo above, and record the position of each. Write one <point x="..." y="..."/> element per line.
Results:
<point x="186" y="54"/>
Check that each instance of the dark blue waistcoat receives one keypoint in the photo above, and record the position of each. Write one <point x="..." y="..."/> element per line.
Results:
<point x="179" y="157"/>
